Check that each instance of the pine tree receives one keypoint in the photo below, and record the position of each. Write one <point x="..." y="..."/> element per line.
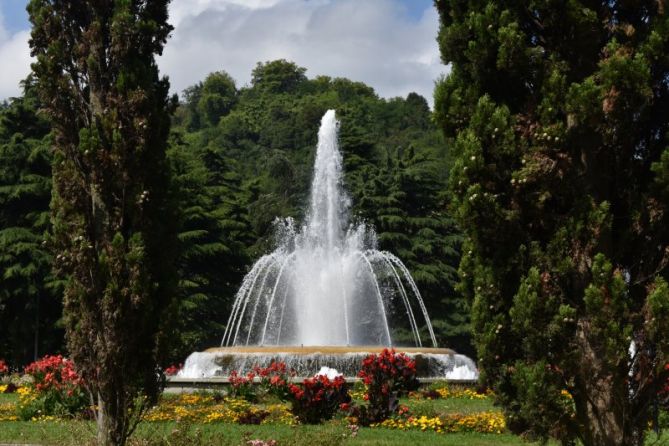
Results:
<point x="212" y="256"/>
<point x="404" y="199"/>
<point x="113" y="222"/>
<point x="30" y="299"/>
<point x="557" y="118"/>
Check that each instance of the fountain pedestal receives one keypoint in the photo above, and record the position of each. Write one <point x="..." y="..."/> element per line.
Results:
<point x="308" y="360"/>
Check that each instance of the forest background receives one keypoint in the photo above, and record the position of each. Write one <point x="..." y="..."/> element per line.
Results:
<point x="241" y="158"/>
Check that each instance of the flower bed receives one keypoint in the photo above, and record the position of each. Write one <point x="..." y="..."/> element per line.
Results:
<point x="265" y="396"/>
<point x="446" y="392"/>
<point x="482" y="422"/>
<point x="56" y="389"/>
<point x="203" y="408"/>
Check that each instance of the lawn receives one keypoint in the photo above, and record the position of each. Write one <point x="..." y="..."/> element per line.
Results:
<point x="191" y="431"/>
<point x="175" y="434"/>
<point x="193" y="409"/>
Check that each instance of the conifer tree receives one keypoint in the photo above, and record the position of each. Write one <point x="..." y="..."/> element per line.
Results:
<point x="113" y="231"/>
<point x="212" y="257"/>
<point x="557" y="115"/>
<point x="30" y="299"/>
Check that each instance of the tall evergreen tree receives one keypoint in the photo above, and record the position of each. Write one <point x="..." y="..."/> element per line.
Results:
<point x="112" y="217"/>
<point x="558" y="114"/>
<point x="212" y="239"/>
<point x="30" y="299"/>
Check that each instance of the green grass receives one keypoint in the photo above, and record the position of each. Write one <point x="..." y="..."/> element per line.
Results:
<point x="176" y="434"/>
<point x="333" y="433"/>
<point x="436" y="407"/>
<point x="8" y="398"/>
<point x="82" y="433"/>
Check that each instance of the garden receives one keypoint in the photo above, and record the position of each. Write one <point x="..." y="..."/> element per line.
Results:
<point x="48" y="403"/>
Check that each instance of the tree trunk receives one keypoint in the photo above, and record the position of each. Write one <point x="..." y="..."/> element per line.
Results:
<point x="111" y="429"/>
<point x="602" y="405"/>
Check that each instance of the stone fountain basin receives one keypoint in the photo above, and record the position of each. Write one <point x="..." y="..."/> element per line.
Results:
<point x="437" y="363"/>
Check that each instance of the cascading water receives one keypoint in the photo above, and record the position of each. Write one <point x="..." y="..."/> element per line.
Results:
<point x="325" y="285"/>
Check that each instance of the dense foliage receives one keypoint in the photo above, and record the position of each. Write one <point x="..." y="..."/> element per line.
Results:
<point x="30" y="296"/>
<point x="113" y="224"/>
<point x="557" y="118"/>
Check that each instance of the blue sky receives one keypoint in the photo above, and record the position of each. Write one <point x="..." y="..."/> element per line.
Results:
<point x="388" y="44"/>
<point x="15" y="15"/>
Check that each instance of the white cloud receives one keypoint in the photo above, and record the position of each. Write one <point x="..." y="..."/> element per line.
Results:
<point x="372" y="41"/>
<point x="181" y="9"/>
<point x="15" y="60"/>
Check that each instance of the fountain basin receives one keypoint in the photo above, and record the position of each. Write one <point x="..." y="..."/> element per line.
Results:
<point x="436" y="363"/>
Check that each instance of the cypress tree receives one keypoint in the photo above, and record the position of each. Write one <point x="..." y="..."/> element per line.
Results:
<point x="557" y="114"/>
<point x="113" y="231"/>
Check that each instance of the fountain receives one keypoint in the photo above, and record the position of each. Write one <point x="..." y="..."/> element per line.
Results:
<point x="326" y="296"/>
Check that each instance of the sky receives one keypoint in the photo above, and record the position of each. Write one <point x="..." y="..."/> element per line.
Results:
<point x="387" y="44"/>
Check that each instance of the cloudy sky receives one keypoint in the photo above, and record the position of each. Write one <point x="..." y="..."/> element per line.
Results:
<point x="388" y="44"/>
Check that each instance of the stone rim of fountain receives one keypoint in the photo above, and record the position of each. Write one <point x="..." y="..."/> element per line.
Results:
<point x="326" y="349"/>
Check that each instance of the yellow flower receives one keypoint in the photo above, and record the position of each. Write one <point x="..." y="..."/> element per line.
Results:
<point x="565" y="394"/>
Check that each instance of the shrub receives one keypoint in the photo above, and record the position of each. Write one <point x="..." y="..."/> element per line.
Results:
<point x="173" y="369"/>
<point x="56" y="389"/>
<point x="387" y="376"/>
<point x="318" y="398"/>
<point x="275" y="379"/>
<point x="242" y="386"/>
<point x="272" y="380"/>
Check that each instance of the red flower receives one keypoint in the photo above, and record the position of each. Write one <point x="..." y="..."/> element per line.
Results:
<point x="173" y="369"/>
<point x="3" y="367"/>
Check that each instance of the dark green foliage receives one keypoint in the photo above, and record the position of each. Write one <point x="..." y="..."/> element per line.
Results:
<point x="113" y="223"/>
<point x="212" y="256"/>
<point x="29" y="295"/>
<point x="216" y="97"/>
<point x="278" y="76"/>
<point x="557" y="118"/>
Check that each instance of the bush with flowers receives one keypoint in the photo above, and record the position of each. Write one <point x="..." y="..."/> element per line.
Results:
<point x="4" y="369"/>
<point x="56" y="389"/>
<point x="319" y="398"/>
<point x="268" y="380"/>
<point x="173" y="369"/>
<point x="387" y="376"/>
<point x="275" y="379"/>
<point x="242" y="386"/>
